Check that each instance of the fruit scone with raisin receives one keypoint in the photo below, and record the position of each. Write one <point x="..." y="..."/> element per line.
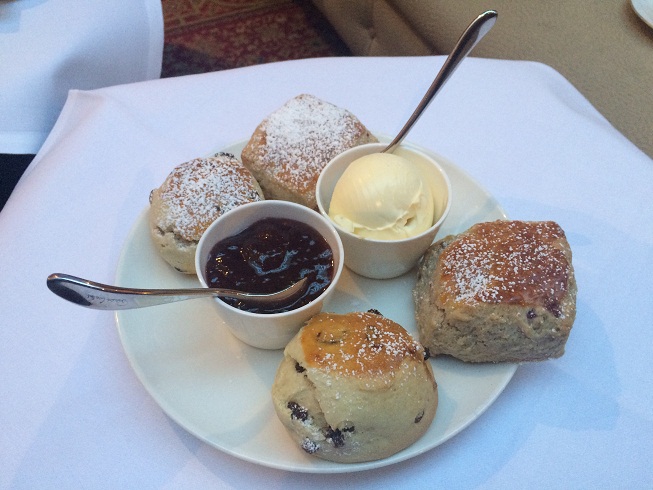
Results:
<point x="354" y="387"/>
<point x="502" y="291"/>
<point x="192" y="197"/>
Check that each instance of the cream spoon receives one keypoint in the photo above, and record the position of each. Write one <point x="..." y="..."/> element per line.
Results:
<point x="470" y="38"/>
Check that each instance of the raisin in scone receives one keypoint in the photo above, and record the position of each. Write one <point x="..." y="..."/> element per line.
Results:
<point x="192" y="197"/>
<point x="354" y="387"/>
<point x="502" y="291"/>
<point x="291" y="146"/>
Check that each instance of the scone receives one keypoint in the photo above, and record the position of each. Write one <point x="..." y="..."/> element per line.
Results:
<point x="192" y="197"/>
<point x="354" y="387"/>
<point x="500" y="291"/>
<point x="291" y="146"/>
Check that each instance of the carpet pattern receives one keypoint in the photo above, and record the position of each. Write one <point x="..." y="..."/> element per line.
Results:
<point x="211" y="35"/>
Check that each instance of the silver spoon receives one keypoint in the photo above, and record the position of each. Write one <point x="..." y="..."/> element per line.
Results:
<point x="104" y="297"/>
<point x="470" y="38"/>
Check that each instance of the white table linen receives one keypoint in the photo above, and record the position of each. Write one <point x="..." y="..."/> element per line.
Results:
<point x="73" y="413"/>
<point x="49" y="47"/>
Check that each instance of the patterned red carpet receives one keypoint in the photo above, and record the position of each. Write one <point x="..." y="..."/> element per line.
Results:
<point x="210" y="35"/>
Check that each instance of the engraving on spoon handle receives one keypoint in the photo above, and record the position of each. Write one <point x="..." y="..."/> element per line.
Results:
<point x="98" y="298"/>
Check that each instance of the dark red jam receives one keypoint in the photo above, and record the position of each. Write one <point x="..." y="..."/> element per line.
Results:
<point x="269" y="256"/>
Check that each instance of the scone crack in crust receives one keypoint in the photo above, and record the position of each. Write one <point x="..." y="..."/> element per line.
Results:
<point x="346" y="411"/>
<point x="201" y="190"/>
<point x="303" y="411"/>
<point x="529" y="266"/>
<point x="178" y="240"/>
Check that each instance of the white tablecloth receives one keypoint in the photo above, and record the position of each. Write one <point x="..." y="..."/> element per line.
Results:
<point x="49" y="47"/>
<point x="74" y="415"/>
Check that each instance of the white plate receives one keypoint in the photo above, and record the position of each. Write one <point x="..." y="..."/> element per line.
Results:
<point x="218" y="388"/>
<point x="644" y="8"/>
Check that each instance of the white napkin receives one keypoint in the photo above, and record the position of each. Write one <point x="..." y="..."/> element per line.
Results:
<point x="49" y="47"/>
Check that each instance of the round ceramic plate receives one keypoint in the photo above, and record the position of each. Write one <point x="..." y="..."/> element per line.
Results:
<point x="218" y="388"/>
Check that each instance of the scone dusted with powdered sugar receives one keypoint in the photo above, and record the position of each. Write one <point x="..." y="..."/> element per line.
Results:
<point x="502" y="291"/>
<point x="192" y="197"/>
<point x="291" y="146"/>
<point x="354" y="387"/>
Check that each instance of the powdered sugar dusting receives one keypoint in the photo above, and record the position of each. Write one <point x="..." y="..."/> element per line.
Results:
<point x="358" y="344"/>
<point x="197" y="192"/>
<point x="303" y="136"/>
<point x="512" y="262"/>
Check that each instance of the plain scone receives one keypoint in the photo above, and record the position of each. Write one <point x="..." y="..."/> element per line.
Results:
<point x="192" y="197"/>
<point x="291" y="146"/>
<point x="354" y="388"/>
<point x="502" y="291"/>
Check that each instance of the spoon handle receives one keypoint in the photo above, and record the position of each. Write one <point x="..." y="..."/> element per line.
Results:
<point x="470" y="38"/>
<point x="104" y="297"/>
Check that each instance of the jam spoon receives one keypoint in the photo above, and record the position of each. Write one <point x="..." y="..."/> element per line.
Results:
<point x="470" y="38"/>
<point x="104" y="297"/>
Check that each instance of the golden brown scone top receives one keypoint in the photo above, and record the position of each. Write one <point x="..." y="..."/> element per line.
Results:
<point x="510" y="262"/>
<point x="357" y="344"/>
